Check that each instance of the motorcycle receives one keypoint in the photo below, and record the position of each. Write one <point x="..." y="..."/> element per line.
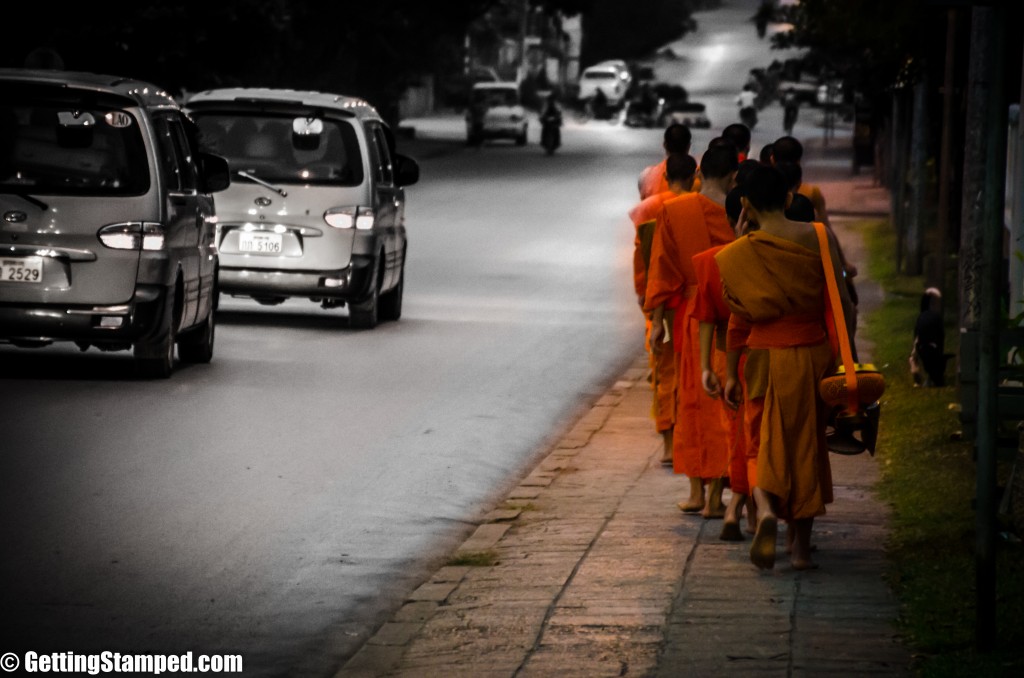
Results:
<point x="550" y="131"/>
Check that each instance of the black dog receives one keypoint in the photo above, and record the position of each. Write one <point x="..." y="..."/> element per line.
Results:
<point x="927" y="358"/>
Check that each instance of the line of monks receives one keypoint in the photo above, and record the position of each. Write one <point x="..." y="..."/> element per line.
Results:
<point x="729" y="275"/>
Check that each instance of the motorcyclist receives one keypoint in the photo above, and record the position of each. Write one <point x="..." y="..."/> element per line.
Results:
<point x="551" y="124"/>
<point x="599" y="104"/>
<point x="747" y="103"/>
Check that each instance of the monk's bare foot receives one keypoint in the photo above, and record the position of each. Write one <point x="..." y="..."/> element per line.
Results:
<point x="813" y="548"/>
<point x="803" y="564"/>
<point x="695" y="502"/>
<point x="731" y="532"/>
<point x="762" y="550"/>
<point x="666" y="448"/>
<point x="690" y="506"/>
<point x="712" y="513"/>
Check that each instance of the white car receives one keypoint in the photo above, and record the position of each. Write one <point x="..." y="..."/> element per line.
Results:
<point x="496" y="111"/>
<point x="609" y="77"/>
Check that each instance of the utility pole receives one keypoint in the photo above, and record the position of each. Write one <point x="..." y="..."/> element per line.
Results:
<point x="918" y="156"/>
<point x="981" y="262"/>
<point x="523" y="26"/>
<point x="945" y="156"/>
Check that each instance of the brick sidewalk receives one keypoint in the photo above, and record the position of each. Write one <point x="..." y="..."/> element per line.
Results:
<point x="597" y="573"/>
<point x="589" y="569"/>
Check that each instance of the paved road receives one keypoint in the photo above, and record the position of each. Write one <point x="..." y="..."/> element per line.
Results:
<point x="292" y="491"/>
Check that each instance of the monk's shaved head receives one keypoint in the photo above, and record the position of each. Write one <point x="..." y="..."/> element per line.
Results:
<point x="677" y="138"/>
<point x="719" y="161"/>
<point x="767" y="190"/>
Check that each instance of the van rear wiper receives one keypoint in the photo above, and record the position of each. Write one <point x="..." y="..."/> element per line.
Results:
<point x="28" y="198"/>
<point x="266" y="184"/>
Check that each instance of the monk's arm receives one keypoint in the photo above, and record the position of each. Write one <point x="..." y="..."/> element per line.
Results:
<point x="657" y="335"/>
<point x="664" y="279"/>
<point x="837" y="265"/>
<point x="639" y="272"/>
<point x="731" y="393"/>
<point x="818" y="200"/>
<point x="851" y="270"/>
<point x="708" y="378"/>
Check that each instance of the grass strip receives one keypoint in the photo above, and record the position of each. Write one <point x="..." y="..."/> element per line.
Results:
<point x="928" y="478"/>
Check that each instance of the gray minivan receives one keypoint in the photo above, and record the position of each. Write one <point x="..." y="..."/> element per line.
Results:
<point x="316" y="207"/>
<point x="106" y="237"/>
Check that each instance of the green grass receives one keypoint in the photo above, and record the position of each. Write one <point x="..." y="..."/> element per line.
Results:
<point x="928" y="477"/>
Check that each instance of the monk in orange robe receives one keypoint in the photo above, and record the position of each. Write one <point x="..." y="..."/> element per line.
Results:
<point x="774" y="279"/>
<point x="787" y="150"/>
<point x="745" y="385"/>
<point x="677" y="139"/>
<point x="712" y="314"/>
<point x="692" y="223"/>
<point x="746" y="374"/>
<point x="679" y="172"/>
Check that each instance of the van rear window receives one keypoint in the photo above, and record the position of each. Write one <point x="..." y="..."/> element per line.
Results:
<point x="52" y="148"/>
<point x="266" y="146"/>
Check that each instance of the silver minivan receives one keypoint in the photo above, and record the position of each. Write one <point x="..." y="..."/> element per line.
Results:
<point x="107" y="230"/>
<point x="316" y="207"/>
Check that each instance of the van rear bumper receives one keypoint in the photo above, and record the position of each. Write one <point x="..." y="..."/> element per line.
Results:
<point x="116" y="324"/>
<point x="351" y="283"/>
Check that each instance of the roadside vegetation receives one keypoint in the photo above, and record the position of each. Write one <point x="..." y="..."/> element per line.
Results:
<point x="928" y="477"/>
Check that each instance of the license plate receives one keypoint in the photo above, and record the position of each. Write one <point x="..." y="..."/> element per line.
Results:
<point x="22" y="270"/>
<point x="260" y="243"/>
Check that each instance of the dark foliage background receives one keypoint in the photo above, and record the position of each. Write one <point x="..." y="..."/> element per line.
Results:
<point x="373" y="50"/>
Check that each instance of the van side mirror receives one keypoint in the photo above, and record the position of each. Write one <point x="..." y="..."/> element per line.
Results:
<point x="407" y="170"/>
<point x="214" y="172"/>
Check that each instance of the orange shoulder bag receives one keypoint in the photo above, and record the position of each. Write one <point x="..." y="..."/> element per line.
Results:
<point x="851" y="393"/>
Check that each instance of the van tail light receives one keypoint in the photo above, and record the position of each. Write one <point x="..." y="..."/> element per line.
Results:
<point x="360" y="218"/>
<point x="133" y="235"/>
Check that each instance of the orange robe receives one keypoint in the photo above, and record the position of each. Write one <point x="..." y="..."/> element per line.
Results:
<point x="709" y="307"/>
<point x="652" y="181"/>
<point x="663" y="364"/>
<point x="753" y="375"/>
<point x="778" y="286"/>
<point x="812" y="193"/>
<point x="691" y="223"/>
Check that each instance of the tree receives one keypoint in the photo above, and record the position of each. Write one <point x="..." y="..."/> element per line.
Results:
<point x="373" y="50"/>
<point x="613" y="29"/>
<point x="870" y="42"/>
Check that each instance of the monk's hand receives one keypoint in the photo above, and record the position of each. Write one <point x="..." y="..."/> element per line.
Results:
<point x="741" y="222"/>
<point x="709" y="380"/>
<point x="655" y="338"/>
<point x="731" y="393"/>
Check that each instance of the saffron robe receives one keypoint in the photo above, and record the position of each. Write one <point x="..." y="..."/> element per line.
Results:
<point x="690" y="223"/>
<point x="663" y="364"/>
<point x="778" y="286"/>
<point x="813" y="193"/>
<point x="709" y="307"/>
<point x="753" y="376"/>
<point x="652" y="181"/>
